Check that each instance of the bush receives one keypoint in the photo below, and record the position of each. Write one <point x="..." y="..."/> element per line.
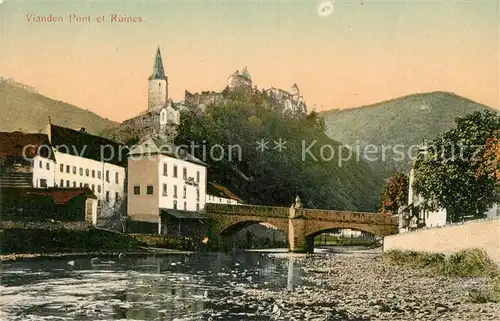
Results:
<point x="466" y="263"/>
<point x="473" y="262"/>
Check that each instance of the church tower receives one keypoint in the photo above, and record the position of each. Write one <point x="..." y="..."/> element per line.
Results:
<point x="158" y="84"/>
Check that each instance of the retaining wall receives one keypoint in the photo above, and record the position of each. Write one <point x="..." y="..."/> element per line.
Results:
<point x="483" y="234"/>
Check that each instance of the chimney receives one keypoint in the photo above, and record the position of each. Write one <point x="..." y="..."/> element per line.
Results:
<point x="49" y="129"/>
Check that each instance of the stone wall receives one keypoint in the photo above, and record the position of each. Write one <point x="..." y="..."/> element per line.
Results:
<point x="483" y="234"/>
<point x="241" y="209"/>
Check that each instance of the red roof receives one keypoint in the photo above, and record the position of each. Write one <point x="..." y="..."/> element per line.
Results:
<point x="59" y="195"/>
<point x="64" y="195"/>
<point x="221" y="191"/>
<point x="12" y="144"/>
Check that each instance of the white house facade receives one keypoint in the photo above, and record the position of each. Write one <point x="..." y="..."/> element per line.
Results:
<point x="161" y="177"/>
<point x="43" y="172"/>
<point x="85" y="160"/>
<point x="219" y="194"/>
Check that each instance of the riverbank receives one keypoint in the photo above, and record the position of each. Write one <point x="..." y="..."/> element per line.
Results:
<point x="53" y="242"/>
<point x="365" y="286"/>
<point x="141" y="251"/>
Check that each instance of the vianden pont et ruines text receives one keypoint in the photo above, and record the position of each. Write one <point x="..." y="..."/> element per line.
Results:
<point x="75" y="18"/>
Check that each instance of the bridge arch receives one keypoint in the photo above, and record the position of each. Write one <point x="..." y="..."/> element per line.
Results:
<point x="317" y="228"/>
<point x="226" y="225"/>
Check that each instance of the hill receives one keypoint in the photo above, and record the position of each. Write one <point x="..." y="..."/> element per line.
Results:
<point x="397" y="125"/>
<point x="269" y="176"/>
<point x="24" y="109"/>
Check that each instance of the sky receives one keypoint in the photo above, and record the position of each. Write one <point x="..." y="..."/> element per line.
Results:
<point x="361" y="53"/>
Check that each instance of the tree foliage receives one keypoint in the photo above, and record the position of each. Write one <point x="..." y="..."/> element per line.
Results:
<point x="395" y="194"/>
<point x="267" y="175"/>
<point x="446" y="172"/>
<point x="489" y="163"/>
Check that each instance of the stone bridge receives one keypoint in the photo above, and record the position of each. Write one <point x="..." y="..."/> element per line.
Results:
<point x="299" y="224"/>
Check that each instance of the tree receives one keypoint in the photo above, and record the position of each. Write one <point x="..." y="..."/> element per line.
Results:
<point x="489" y="163"/>
<point x="316" y="120"/>
<point x="395" y="194"/>
<point x="446" y="171"/>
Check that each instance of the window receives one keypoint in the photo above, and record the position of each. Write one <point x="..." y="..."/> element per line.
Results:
<point x="61" y="168"/>
<point x="175" y="170"/>
<point x="81" y="184"/>
<point x="43" y="183"/>
<point x="93" y="173"/>
<point x="107" y="196"/>
<point x="74" y="170"/>
<point x="175" y="205"/>
<point x="185" y="206"/>
<point x="107" y="176"/>
<point x="116" y="196"/>
<point x="61" y="183"/>
<point x="87" y="172"/>
<point x="47" y="166"/>
<point x="198" y="176"/>
<point x="137" y="189"/>
<point x="86" y="185"/>
<point x="116" y="178"/>
<point x="74" y="184"/>
<point x="149" y="190"/>
<point x="93" y="188"/>
<point x="99" y="174"/>
<point x="197" y="207"/>
<point x="81" y="171"/>
<point x="164" y="189"/>
<point x="184" y="192"/>
<point x="98" y="188"/>
<point x="41" y="165"/>
<point x="197" y="194"/>
<point x="165" y="169"/>
<point x="67" y="168"/>
<point x="184" y="173"/>
<point x="175" y="191"/>
<point x="67" y="183"/>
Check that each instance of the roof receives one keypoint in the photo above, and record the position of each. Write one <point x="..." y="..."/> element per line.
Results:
<point x="59" y="195"/>
<point x="159" y="146"/>
<point x="221" y="191"/>
<point x="13" y="144"/>
<point x="158" y="71"/>
<point x="188" y="215"/>
<point x="64" y="195"/>
<point x="83" y="144"/>
<point x="245" y="74"/>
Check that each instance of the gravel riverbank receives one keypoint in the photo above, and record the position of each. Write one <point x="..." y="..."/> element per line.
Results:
<point x="361" y="286"/>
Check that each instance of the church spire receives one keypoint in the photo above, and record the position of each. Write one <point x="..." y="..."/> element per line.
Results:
<point x="158" y="71"/>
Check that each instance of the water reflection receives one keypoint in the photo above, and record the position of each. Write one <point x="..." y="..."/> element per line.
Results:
<point x="150" y="288"/>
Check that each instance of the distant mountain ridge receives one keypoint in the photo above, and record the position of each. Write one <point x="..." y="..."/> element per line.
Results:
<point x="24" y="109"/>
<point x="404" y="121"/>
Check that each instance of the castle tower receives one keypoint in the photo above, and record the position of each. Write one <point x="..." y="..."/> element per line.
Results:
<point x="158" y="84"/>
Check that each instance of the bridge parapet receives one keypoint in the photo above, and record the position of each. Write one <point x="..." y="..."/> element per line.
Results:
<point x="246" y="210"/>
<point x="345" y="216"/>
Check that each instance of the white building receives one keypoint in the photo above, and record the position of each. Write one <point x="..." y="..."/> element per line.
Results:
<point x="164" y="180"/>
<point x="218" y="194"/>
<point x="85" y="160"/>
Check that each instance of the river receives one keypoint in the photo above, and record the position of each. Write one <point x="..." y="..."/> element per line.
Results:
<point x="348" y="284"/>
<point x="198" y="286"/>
